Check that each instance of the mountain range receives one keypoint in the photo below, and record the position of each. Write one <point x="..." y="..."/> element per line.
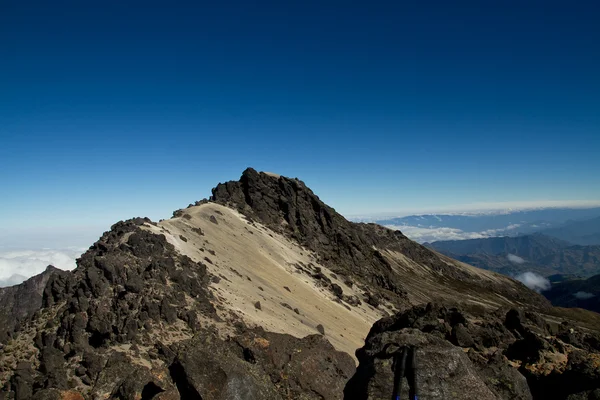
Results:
<point x="583" y="232"/>
<point x="265" y="292"/>
<point x="537" y="253"/>
<point x="575" y="225"/>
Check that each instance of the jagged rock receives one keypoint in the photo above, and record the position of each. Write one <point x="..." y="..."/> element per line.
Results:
<point x="22" y="381"/>
<point x="527" y="349"/>
<point x="372" y="300"/>
<point x="203" y="371"/>
<point x="337" y="290"/>
<point x="502" y="355"/>
<point x="502" y="378"/>
<point x="357" y="250"/>
<point x="443" y="371"/>
<point x="461" y="336"/>
<point x="311" y="222"/>
<point x="308" y="368"/>
<point x="20" y="302"/>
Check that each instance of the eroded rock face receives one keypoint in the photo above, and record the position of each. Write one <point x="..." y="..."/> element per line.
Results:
<point x="287" y="205"/>
<point x="355" y="250"/>
<point x="98" y="321"/>
<point x="444" y="370"/>
<point x="135" y="320"/>
<point x="127" y="283"/>
<point x="507" y="355"/>
<point x="308" y="368"/>
<point x="20" y="302"/>
<point x="260" y="365"/>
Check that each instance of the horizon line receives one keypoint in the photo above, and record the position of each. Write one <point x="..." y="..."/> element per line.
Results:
<point x="483" y="208"/>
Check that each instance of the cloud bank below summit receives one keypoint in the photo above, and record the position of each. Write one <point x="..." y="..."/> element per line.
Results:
<point x="19" y="265"/>
<point x="422" y="234"/>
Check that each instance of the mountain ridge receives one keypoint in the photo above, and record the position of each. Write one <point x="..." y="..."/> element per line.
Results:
<point x="538" y="253"/>
<point x="262" y="291"/>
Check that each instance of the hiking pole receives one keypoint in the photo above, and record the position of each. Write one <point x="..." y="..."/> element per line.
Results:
<point x="412" y="374"/>
<point x="401" y="369"/>
<point x="400" y="363"/>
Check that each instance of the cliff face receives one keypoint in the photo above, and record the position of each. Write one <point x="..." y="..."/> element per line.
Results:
<point x="287" y="205"/>
<point x="262" y="292"/>
<point x="20" y="302"/>
<point x="385" y="260"/>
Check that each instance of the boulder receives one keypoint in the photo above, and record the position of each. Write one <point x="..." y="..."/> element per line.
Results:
<point x="443" y="371"/>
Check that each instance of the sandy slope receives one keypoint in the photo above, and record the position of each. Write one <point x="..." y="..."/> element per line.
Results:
<point x="256" y="264"/>
<point x="424" y="285"/>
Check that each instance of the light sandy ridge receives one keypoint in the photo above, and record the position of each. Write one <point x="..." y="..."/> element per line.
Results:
<point x="255" y="264"/>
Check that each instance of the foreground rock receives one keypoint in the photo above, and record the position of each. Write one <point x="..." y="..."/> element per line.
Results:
<point x="260" y="365"/>
<point x="506" y="355"/>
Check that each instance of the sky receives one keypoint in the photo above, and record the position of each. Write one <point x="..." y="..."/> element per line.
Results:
<point x="110" y="110"/>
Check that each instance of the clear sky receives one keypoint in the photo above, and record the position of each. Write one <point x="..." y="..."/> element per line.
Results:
<point x="116" y="109"/>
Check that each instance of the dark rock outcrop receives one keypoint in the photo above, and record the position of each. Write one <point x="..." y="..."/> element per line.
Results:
<point x="135" y="320"/>
<point x="357" y="250"/>
<point x="260" y="365"/>
<point x="287" y="205"/>
<point x="20" y="302"/>
<point x="507" y="355"/>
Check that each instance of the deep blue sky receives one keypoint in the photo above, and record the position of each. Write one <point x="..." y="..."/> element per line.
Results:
<point x="111" y="110"/>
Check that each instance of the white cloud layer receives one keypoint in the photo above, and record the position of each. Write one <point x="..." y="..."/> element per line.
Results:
<point x="18" y="265"/>
<point x="534" y="281"/>
<point x="422" y="234"/>
<point x="515" y="259"/>
<point x="479" y="208"/>
<point x="583" y="295"/>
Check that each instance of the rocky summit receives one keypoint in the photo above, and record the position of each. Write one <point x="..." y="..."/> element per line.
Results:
<point x="265" y="292"/>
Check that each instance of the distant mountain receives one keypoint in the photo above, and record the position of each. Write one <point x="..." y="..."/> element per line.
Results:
<point x="529" y="246"/>
<point x="584" y="232"/>
<point x="434" y="227"/>
<point x="582" y="293"/>
<point x="538" y="253"/>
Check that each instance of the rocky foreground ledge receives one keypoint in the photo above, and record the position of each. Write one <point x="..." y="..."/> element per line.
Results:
<point x="509" y="354"/>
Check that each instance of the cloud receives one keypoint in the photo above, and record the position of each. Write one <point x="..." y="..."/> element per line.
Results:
<point x="534" y="281"/>
<point x="431" y="234"/>
<point x="422" y="235"/>
<point x="485" y="208"/>
<point x="18" y="265"/>
<point x="515" y="259"/>
<point x="583" y="295"/>
<point x="512" y="226"/>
